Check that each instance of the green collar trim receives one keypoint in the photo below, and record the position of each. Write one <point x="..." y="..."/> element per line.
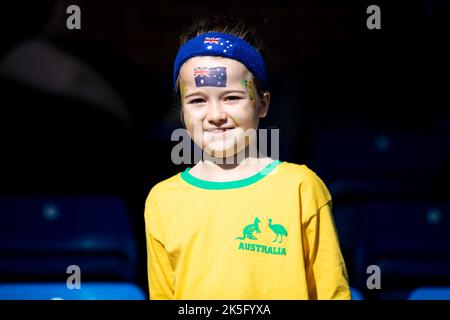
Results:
<point x="218" y="185"/>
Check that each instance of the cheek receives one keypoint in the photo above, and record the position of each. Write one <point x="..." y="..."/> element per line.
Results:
<point x="193" y="123"/>
<point x="186" y="116"/>
<point x="190" y="116"/>
<point x="244" y="117"/>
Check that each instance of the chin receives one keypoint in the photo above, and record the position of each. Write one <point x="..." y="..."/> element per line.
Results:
<point x="220" y="151"/>
<point x="213" y="149"/>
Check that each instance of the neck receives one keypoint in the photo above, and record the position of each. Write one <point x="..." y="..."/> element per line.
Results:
<point x="235" y="167"/>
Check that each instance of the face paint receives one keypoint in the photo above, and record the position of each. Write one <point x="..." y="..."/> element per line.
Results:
<point x="248" y="84"/>
<point x="237" y="120"/>
<point x="251" y="90"/>
<point x="183" y="89"/>
<point x="210" y="77"/>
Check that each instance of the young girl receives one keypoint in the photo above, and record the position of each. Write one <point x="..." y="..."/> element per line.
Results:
<point x="237" y="225"/>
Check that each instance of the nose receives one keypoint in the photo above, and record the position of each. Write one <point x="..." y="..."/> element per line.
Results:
<point x="215" y="112"/>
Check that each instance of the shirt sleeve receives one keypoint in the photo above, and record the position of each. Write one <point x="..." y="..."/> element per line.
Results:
<point x="326" y="271"/>
<point x="160" y="272"/>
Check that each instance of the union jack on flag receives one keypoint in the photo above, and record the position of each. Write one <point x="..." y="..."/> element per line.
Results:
<point x="210" y="77"/>
<point x="200" y="72"/>
<point x="211" y="40"/>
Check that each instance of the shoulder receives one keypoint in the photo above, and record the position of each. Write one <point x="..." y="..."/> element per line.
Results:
<point x="164" y="188"/>
<point x="301" y="173"/>
<point x="310" y="185"/>
<point x="298" y="170"/>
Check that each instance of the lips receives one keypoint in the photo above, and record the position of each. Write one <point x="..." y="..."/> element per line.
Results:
<point x="218" y="130"/>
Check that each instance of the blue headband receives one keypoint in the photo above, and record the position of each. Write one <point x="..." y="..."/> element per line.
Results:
<point x="223" y="45"/>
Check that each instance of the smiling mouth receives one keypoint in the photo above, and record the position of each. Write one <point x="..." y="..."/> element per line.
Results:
<point x="223" y="130"/>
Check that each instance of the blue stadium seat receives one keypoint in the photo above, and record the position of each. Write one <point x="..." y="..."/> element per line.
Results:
<point x="41" y="236"/>
<point x="356" y="294"/>
<point x="59" y="291"/>
<point x="377" y="161"/>
<point x="409" y="241"/>
<point x="430" y="293"/>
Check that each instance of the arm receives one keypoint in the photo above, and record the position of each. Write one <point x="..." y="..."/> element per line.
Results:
<point x="326" y="270"/>
<point x="160" y="272"/>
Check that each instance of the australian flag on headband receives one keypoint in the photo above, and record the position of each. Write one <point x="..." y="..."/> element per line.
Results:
<point x="210" y="77"/>
<point x="218" y="44"/>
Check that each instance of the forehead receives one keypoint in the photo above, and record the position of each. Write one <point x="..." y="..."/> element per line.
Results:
<point x="235" y="70"/>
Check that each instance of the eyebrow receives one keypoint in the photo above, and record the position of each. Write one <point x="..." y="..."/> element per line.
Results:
<point x="225" y="92"/>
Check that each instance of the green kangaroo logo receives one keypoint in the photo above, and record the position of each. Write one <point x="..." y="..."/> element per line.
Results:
<point x="279" y="230"/>
<point x="248" y="231"/>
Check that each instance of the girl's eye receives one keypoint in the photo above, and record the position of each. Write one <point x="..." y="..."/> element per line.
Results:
<point x="232" y="98"/>
<point x="197" y="101"/>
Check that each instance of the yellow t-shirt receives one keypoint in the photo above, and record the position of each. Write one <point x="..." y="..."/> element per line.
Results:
<point x="270" y="236"/>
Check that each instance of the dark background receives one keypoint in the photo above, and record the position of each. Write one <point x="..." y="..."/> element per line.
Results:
<point x="88" y="113"/>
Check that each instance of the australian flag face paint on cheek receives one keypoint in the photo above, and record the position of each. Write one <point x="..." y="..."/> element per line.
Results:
<point x="210" y="77"/>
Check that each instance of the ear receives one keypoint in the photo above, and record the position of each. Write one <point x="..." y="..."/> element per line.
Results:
<point x="264" y="104"/>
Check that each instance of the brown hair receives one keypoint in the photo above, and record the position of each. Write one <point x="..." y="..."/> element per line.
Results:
<point x="245" y="29"/>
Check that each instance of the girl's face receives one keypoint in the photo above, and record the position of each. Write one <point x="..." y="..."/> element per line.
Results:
<point x="220" y="104"/>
